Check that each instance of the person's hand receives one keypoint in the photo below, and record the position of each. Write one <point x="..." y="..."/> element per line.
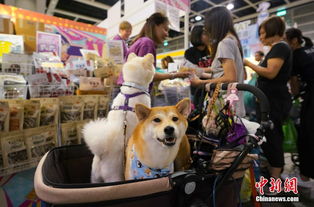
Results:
<point x="195" y="81"/>
<point x="182" y="74"/>
<point x="246" y="62"/>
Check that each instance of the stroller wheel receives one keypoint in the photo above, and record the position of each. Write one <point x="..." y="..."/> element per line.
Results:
<point x="190" y="183"/>
<point x="295" y="159"/>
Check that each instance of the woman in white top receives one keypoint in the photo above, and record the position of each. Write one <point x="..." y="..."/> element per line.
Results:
<point x="226" y="51"/>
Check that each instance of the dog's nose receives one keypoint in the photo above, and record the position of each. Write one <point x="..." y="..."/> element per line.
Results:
<point x="169" y="130"/>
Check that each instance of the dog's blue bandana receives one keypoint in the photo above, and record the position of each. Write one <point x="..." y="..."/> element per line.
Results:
<point x="141" y="171"/>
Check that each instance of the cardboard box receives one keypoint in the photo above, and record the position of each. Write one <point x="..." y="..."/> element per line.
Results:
<point x="6" y="26"/>
<point x="28" y="29"/>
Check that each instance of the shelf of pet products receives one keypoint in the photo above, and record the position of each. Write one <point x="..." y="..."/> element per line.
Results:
<point x="22" y="149"/>
<point x="24" y="69"/>
<point x="30" y="128"/>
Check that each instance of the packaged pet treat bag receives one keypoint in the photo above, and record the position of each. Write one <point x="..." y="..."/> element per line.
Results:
<point x="39" y="141"/>
<point x="14" y="150"/>
<point x="31" y="114"/>
<point x="12" y="86"/>
<point x="79" y="127"/>
<point x="4" y="116"/>
<point x="90" y="107"/>
<point x="16" y="114"/>
<point x="102" y="108"/>
<point x="71" y="108"/>
<point x="69" y="134"/>
<point x="1" y="159"/>
<point x="49" y="111"/>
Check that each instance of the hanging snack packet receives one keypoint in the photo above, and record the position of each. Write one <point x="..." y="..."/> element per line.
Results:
<point x="49" y="111"/>
<point x="90" y="107"/>
<point x="4" y="116"/>
<point x="39" y="141"/>
<point x="31" y="114"/>
<point x="102" y="108"/>
<point x="16" y="114"/>
<point x="14" y="150"/>
<point x="1" y="161"/>
<point x="69" y="134"/>
<point x="79" y="127"/>
<point x="71" y="108"/>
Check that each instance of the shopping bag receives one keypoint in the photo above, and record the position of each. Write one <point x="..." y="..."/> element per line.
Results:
<point x="290" y="136"/>
<point x="222" y="159"/>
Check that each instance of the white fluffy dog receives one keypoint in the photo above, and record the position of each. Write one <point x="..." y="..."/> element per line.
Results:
<point x="107" y="138"/>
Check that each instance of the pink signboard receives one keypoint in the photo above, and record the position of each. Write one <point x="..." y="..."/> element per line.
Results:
<point x="73" y="40"/>
<point x="179" y="4"/>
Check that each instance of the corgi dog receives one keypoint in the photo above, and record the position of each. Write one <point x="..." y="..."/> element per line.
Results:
<point x="107" y="138"/>
<point x="158" y="145"/>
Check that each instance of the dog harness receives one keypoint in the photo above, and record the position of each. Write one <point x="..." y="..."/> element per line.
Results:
<point x="141" y="171"/>
<point x="126" y="106"/>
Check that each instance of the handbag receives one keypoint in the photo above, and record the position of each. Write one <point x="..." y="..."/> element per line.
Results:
<point x="237" y="134"/>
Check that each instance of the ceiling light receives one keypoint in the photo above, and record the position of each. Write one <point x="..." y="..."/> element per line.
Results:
<point x="198" y="18"/>
<point x="230" y="6"/>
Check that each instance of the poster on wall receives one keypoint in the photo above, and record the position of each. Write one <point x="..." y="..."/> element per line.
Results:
<point x="248" y="35"/>
<point x="73" y="40"/>
<point x="183" y="5"/>
<point x="48" y="42"/>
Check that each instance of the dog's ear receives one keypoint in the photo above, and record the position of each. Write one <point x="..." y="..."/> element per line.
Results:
<point x="131" y="56"/>
<point x="142" y="111"/>
<point x="184" y="107"/>
<point x="148" y="60"/>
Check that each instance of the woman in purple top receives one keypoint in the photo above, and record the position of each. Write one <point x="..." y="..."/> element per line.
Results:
<point x="125" y="30"/>
<point x="153" y="33"/>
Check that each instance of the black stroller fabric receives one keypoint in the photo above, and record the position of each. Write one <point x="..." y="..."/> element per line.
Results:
<point x="68" y="167"/>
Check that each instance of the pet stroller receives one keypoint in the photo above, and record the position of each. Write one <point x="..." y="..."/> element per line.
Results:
<point x="62" y="177"/>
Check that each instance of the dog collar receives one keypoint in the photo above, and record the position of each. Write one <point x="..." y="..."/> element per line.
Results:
<point x="141" y="171"/>
<point x="135" y="85"/>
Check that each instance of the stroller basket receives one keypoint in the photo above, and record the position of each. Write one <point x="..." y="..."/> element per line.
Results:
<point x="62" y="178"/>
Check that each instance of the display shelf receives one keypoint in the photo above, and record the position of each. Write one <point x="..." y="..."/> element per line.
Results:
<point x="21" y="149"/>
<point x="24" y="69"/>
<point x="43" y="91"/>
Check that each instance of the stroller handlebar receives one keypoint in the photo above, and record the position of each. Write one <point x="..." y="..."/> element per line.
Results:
<point x="263" y="101"/>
